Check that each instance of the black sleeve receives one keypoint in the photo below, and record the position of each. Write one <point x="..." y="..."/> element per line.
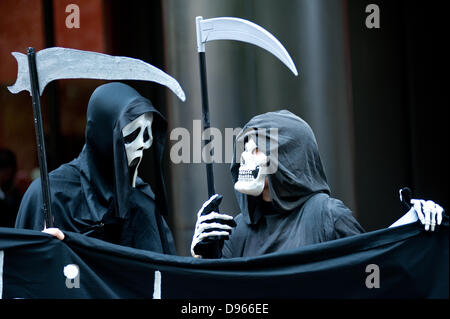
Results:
<point x="227" y="250"/>
<point x="233" y="247"/>
<point x="345" y="223"/>
<point x="30" y="214"/>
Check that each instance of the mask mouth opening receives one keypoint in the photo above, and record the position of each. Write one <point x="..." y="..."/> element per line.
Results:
<point x="132" y="169"/>
<point x="135" y="162"/>
<point x="248" y="175"/>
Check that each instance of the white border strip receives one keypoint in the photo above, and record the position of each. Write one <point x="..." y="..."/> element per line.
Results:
<point x="1" y="273"/>
<point x="157" y="285"/>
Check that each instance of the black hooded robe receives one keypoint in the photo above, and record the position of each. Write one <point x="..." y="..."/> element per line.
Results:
<point x="301" y="211"/>
<point x="92" y="194"/>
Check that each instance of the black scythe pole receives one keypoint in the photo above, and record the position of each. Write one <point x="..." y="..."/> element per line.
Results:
<point x="206" y="123"/>
<point x="35" y="97"/>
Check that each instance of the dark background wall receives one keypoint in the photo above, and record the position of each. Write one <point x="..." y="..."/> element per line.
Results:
<point x="375" y="98"/>
<point x="400" y="107"/>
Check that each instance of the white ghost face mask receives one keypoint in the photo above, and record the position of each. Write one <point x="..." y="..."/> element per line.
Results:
<point x="252" y="169"/>
<point x="137" y="136"/>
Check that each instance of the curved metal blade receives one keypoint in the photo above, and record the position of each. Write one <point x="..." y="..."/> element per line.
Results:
<point x="63" y="63"/>
<point x="229" y="28"/>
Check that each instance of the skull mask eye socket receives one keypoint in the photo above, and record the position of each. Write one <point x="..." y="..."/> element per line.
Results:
<point x="131" y="137"/>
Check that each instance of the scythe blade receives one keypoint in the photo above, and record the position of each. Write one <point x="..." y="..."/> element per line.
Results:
<point x="230" y="28"/>
<point x="63" y="63"/>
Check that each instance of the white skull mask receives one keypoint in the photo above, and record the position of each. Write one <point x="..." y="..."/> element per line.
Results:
<point x="137" y="136"/>
<point x="252" y="169"/>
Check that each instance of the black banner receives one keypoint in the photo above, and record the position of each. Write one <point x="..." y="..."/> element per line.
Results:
<point x="402" y="262"/>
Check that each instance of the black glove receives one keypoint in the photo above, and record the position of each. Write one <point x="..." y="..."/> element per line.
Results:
<point x="211" y="230"/>
<point x="429" y="213"/>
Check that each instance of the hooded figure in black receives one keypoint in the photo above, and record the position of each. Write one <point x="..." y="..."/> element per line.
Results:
<point x="297" y="209"/>
<point x="282" y="193"/>
<point x="301" y="211"/>
<point x="94" y="193"/>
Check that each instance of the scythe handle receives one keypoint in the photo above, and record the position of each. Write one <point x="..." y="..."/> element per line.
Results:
<point x="35" y="96"/>
<point x="206" y="123"/>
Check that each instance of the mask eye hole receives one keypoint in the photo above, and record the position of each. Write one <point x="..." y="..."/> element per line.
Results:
<point x="132" y="136"/>
<point x="146" y="135"/>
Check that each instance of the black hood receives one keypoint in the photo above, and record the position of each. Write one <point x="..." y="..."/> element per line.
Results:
<point x="103" y="160"/>
<point x="292" y="147"/>
<point x="92" y="194"/>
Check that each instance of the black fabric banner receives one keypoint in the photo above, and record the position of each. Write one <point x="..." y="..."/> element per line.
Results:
<point x="402" y="262"/>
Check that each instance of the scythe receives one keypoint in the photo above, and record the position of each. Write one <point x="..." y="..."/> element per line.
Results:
<point x="230" y="28"/>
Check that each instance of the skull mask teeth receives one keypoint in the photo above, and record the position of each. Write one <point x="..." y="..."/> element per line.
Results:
<point x="251" y="176"/>
<point x="248" y="175"/>
<point x="137" y="137"/>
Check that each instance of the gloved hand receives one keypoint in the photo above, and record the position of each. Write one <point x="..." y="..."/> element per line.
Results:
<point x="429" y="213"/>
<point x="211" y="229"/>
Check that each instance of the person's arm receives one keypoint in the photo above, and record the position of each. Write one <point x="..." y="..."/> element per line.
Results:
<point x="345" y="223"/>
<point x="30" y="214"/>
